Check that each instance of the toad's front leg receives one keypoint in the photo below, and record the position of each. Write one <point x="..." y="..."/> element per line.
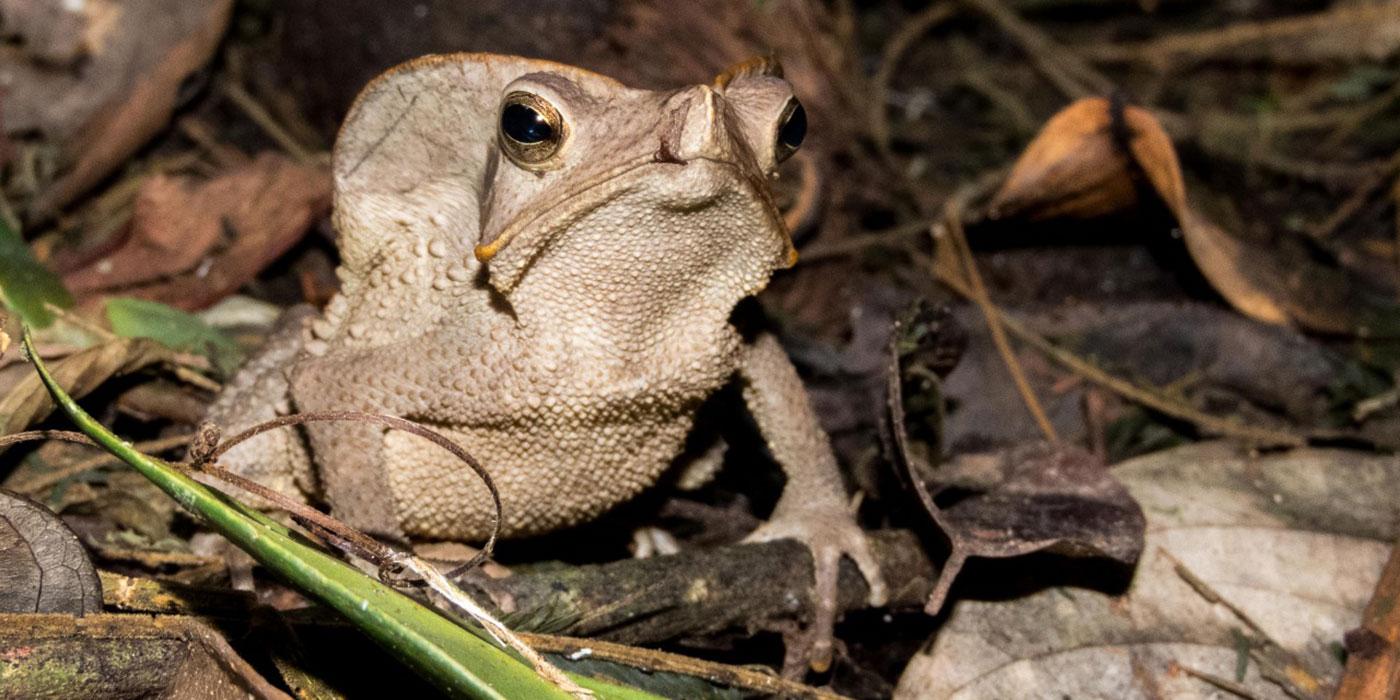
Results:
<point x="813" y="508"/>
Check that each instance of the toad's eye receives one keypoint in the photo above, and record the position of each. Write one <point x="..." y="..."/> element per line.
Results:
<point x="792" y="128"/>
<point x="531" y="129"/>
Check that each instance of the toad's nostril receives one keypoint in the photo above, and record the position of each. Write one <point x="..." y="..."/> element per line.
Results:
<point x="694" y="127"/>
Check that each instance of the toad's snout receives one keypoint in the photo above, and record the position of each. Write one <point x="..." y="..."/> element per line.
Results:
<point x="697" y="128"/>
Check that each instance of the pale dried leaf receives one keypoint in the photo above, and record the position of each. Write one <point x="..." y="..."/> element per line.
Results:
<point x="1296" y="540"/>
<point x="27" y="402"/>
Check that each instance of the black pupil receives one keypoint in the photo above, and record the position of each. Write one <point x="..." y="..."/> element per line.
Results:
<point x="794" y="129"/>
<point x="524" y="124"/>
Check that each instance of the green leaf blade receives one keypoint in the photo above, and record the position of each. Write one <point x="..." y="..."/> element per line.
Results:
<point x="140" y="318"/>
<point x="27" y="286"/>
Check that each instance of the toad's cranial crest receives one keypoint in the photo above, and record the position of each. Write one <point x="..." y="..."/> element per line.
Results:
<point x="542" y="263"/>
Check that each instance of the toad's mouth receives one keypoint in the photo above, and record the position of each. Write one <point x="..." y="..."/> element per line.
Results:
<point x="587" y="196"/>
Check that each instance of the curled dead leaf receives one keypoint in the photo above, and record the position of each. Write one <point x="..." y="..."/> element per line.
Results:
<point x="43" y="567"/>
<point x="1035" y="498"/>
<point x="1075" y="151"/>
<point x="1099" y="156"/>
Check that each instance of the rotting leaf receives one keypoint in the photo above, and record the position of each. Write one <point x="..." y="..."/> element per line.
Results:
<point x="1294" y="542"/>
<point x="138" y="318"/>
<point x="1099" y="156"/>
<point x="208" y="238"/>
<point x="120" y="90"/>
<point x="27" y="402"/>
<point x="1031" y="499"/>
<point x="43" y="567"/>
<point x="27" y="286"/>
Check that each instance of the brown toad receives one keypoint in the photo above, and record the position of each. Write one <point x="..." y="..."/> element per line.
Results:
<point x="542" y="264"/>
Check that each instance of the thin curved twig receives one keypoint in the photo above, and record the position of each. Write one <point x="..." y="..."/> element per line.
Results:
<point x="890" y="58"/>
<point x="203" y="458"/>
<point x="953" y="220"/>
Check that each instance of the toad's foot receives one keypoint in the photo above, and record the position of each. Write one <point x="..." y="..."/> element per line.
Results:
<point x="829" y="532"/>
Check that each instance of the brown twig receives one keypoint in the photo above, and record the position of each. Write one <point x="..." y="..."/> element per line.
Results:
<point x="1224" y="684"/>
<point x="953" y="221"/>
<point x="207" y="449"/>
<point x="1069" y="73"/>
<point x="1373" y="666"/>
<point x="1353" y="204"/>
<point x="1275" y="662"/>
<point x="890" y="58"/>
<point x="265" y="121"/>
<point x="896" y="237"/>
<point x="1145" y="396"/>
<point x="65" y="435"/>
<point x="653" y="661"/>
<point x="46" y="479"/>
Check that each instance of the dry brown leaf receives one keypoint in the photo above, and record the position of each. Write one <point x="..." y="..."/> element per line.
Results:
<point x="27" y="402"/>
<point x="1086" y="162"/>
<point x="118" y="88"/>
<point x="1097" y="156"/>
<point x="191" y="243"/>
<point x="1296" y="541"/>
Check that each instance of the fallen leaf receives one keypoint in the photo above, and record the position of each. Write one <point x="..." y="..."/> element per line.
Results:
<point x="1056" y="498"/>
<point x="191" y="243"/>
<point x="27" y="286"/>
<point x="1099" y="156"/>
<point x="1295" y="541"/>
<point x="127" y="62"/>
<point x="27" y="402"/>
<point x="123" y="656"/>
<point x="1072" y="168"/>
<point x="43" y="567"/>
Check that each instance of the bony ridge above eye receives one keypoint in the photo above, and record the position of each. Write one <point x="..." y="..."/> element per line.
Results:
<point x="531" y="129"/>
